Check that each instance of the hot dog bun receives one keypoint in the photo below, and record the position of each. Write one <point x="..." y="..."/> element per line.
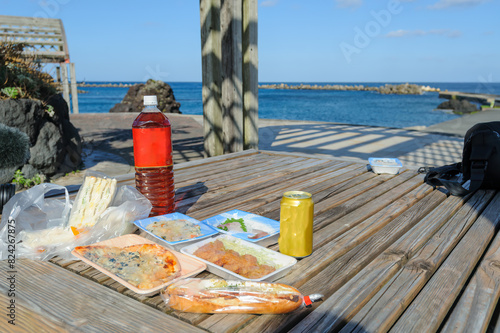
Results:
<point x="221" y="296"/>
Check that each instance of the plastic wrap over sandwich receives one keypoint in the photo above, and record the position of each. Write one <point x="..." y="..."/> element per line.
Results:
<point x="45" y="227"/>
<point x="224" y="296"/>
<point x="95" y="195"/>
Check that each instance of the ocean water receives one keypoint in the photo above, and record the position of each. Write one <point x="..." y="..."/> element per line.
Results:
<point x="349" y="107"/>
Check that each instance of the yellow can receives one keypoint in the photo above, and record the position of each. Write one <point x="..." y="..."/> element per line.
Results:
<point x="296" y="224"/>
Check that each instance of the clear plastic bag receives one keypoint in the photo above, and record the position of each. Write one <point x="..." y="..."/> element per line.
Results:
<point x="38" y="226"/>
<point x="221" y="296"/>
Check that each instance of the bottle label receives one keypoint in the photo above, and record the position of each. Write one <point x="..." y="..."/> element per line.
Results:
<point x="152" y="147"/>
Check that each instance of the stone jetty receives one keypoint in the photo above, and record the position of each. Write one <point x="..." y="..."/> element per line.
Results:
<point x="109" y="85"/>
<point x="400" y="89"/>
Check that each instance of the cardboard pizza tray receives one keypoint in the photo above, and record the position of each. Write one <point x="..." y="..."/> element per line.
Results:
<point x="189" y="266"/>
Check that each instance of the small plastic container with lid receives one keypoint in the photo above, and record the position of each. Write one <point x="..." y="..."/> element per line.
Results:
<point x="385" y="165"/>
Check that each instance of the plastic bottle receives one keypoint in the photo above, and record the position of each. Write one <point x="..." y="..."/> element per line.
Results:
<point x="154" y="175"/>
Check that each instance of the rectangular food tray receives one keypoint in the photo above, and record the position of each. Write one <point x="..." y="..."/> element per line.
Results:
<point x="272" y="226"/>
<point x="206" y="230"/>
<point x="189" y="266"/>
<point x="385" y="165"/>
<point x="269" y="257"/>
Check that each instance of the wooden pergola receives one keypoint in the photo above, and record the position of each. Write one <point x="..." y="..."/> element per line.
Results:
<point x="230" y="75"/>
<point x="44" y="39"/>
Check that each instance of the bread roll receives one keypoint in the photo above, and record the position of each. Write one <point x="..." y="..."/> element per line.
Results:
<point x="221" y="296"/>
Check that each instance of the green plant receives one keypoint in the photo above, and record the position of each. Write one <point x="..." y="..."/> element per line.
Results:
<point x="11" y="92"/>
<point x="22" y="72"/>
<point x="50" y="110"/>
<point x="26" y="182"/>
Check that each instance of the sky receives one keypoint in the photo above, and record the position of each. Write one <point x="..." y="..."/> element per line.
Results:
<point x="298" y="41"/>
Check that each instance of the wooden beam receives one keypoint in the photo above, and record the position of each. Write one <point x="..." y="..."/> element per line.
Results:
<point x="211" y="77"/>
<point x="230" y="81"/>
<point x="65" y="49"/>
<point x="65" y="83"/>
<point x="23" y="21"/>
<point x="74" y="90"/>
<point x="232" y="75"/>
<point x="250" y="76"/>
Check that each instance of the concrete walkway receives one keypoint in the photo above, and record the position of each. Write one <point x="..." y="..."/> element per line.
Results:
<point x="108" y="140"/>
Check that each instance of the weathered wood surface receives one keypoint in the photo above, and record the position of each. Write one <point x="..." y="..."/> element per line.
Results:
<point x="46" y="36"/>
<point x="211" y="76"/>
<point x="250" y="75"/>
<point x="229" y="75"/>
<point x="390" y="252"/>
<point x="52" y="299"/>
<point x="45" y="39"/>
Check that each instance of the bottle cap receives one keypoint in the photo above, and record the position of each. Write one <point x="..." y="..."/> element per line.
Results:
<point x="150" y="100"/>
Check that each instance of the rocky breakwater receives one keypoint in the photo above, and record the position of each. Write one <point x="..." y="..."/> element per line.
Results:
<point x="459" y="106"/>
<point x="400" y="89"/>
<point x="55" y="145"/>
<point x="109" y="85"/>
<point x="133" y="100"/>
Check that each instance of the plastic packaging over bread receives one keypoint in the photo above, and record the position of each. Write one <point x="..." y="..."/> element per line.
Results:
<point x="40" y="224"/>
<point x="221" y="296"/>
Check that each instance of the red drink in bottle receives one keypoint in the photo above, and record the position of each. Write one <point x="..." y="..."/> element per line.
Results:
<point x="154" y="175"/>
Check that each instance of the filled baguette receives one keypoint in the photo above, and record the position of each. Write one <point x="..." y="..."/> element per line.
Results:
<point x="221" y="296"/>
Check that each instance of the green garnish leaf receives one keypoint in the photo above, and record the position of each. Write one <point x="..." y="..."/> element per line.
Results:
<point x="231" y="220"/>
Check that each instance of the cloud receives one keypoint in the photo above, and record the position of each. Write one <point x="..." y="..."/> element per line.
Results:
<point x="349" y="3"/>
<point x="442" y="4"/>
<point x="269" y="3"/>
<point x="437" y="32"/>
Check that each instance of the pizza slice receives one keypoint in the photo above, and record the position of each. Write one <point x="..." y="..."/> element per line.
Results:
<point x="145" y="266"/>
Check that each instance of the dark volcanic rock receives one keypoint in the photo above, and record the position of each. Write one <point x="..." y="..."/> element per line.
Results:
<point x="458" y="106"/>
<point x="55" y="145"/>
<point x="14" y="151"/>
<point x="133" y="100"/>
<point x="401" y="89"/>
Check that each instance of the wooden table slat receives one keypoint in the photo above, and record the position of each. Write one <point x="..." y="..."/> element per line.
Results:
<point x="77" y="303"/>
<point x="430" y="307"/>
<point x="477" y="304"/>
<point x="384" y="307"/>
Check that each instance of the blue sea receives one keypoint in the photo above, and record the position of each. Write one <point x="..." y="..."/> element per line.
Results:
<point x="348" y="107"/>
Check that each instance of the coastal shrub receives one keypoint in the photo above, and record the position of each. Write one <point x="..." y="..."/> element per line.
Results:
<point x="27" y="182"/>
<point x="21" y="76"/>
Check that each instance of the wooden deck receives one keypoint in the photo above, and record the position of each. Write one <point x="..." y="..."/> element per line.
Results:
<point x="390" y="254"/>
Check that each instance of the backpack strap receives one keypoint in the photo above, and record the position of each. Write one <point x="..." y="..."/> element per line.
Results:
<point x="446" y="176"/>
<point x="479" y="163"/>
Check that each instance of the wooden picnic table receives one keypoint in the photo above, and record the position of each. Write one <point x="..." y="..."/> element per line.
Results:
<point x="390" y="254"/>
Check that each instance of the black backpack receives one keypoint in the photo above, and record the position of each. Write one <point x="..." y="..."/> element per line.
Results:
<point x="480" y="166"/>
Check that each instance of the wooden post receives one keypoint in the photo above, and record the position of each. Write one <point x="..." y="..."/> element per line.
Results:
<point x="230" y="82"/>
<point x="250" y="76"/>
<point x="74" y="90"/>
<point x="65" y="83"/>
<point x="232" y="76"/>
<point x="211" y="77"/>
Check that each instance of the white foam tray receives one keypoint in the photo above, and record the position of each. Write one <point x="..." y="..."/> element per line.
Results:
<point x="282" y="262"/>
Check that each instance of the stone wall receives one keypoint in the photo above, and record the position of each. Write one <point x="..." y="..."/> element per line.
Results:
<point x="55" y="145"/>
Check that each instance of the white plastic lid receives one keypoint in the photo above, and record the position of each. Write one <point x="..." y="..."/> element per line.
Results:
<point x="150" y="100"/>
